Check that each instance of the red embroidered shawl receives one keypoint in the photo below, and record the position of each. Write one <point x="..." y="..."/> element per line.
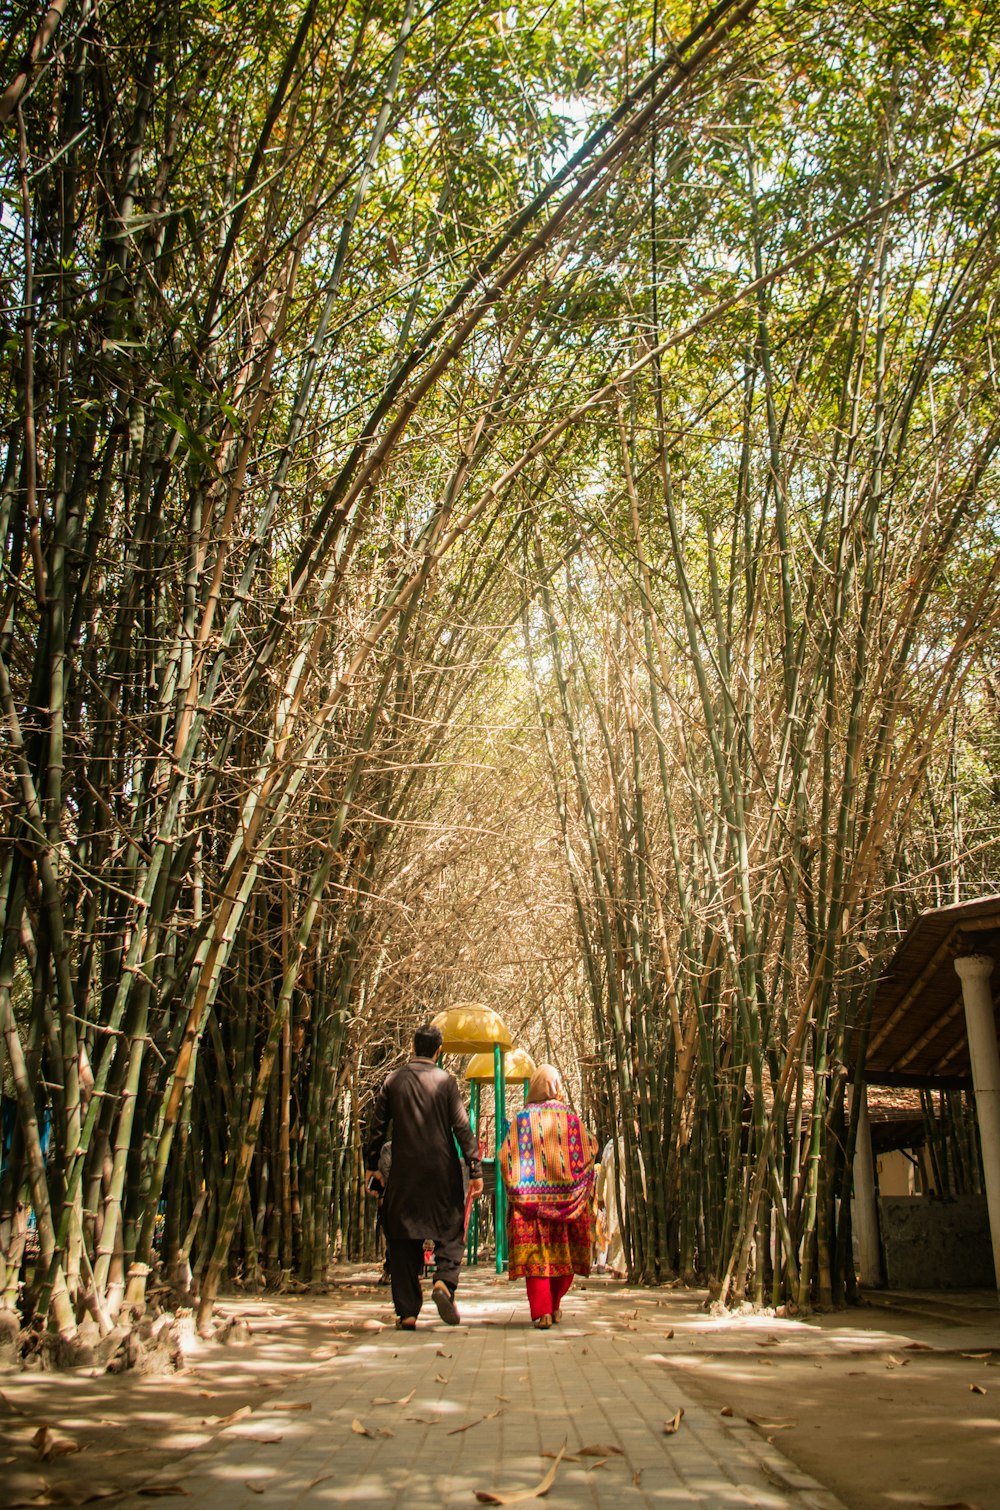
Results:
<point x="547" y="1162"/>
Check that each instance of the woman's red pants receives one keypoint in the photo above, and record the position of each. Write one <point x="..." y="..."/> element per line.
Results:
<point x="544" y="1295"/>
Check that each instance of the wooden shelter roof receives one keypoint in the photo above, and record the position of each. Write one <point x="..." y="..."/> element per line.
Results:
<point x="917" y="1034"/>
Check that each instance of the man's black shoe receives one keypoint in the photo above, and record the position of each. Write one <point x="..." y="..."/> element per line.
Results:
<point x="445" y="1302"/>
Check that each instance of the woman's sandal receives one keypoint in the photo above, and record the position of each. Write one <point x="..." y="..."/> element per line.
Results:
<point x="542" y="1323"/>
<point x="556" y="1317"/>
<point x="406" y="1323"/>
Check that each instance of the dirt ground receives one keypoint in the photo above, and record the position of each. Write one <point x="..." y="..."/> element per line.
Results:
<point x="884" y="1406"/>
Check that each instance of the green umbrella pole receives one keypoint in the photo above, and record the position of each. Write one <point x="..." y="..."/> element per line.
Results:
<point x="499" y="1132"/>
<point x="505" y="1128"/>
<point x="504" y="1124"/>
<point x="472" y="1238"/>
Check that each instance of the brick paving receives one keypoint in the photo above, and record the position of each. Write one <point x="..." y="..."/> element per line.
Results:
<point x="485" y="1406"/>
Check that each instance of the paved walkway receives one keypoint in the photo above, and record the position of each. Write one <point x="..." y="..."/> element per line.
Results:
<point x="427" y="1419"/>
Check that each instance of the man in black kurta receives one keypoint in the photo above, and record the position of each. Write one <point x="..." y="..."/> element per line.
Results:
<point x="424" y="1194"/>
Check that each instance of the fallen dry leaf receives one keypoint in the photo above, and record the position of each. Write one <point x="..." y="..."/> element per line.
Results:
<point x="9" y="1407"/>
<point x="235" y="1415"/>
<point x="383" y="1400"/>
<point x="53" y="1444"/>
<point x="291" y="1405"/>
<point x="490" y="1416"/>
<point x="726" y="1410"/>
<point x="977" y="1356"/>
<point x="918" y="1347"/>
<point x="893" y="1362"/>
<point x="668" y="1335"/>
<point x="360" y="1429"/>
<point x="75" y="1494"/>
<point x="441" y="1353"/>
<point x="947" y="1505"/>
<point x="156" y="1491"/>
<point x="425" y="1420"/>
<point x="440" y="1379"/>
<point x="669" y="1427"/>
<point x="637" y="1479"/>
<point x="517" y="1496"/>
<point x="121" y="1452"/>
<point x="977" y="1389"/>
<point x="254" y="1488"/>
<point x="268" y="1438"/>
<point x="600" y="1450"/>
<point x="764" y="1425"/>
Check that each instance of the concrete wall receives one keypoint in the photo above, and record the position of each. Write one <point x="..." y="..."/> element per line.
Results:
<point x="896" y="1174"/>
<point x="936" y="1245"/>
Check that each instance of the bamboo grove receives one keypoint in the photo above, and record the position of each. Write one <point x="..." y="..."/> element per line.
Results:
<point x="498" y="504"/>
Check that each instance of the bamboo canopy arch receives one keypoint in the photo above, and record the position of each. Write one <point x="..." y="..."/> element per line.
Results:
<point x="470" y="1028"/>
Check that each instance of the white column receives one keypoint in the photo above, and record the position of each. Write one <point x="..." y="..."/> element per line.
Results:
<point x="865" y="1212"/>
<point x="975" y="971"/>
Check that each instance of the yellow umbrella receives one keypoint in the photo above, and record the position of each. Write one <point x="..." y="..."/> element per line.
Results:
<point x="470" y="1028"/>
<point x="518" y="1065"/>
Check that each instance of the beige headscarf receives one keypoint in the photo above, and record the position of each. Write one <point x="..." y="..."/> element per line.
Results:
<point x="545" y="1085"/>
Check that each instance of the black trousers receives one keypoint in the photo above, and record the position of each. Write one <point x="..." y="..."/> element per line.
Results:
<point x="406" y="1259"/>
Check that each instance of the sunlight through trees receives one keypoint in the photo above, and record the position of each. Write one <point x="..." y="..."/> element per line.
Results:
<point x="496" y="504"/>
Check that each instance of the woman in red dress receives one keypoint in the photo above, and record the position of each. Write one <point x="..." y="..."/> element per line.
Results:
<point x="547" y="1164"/>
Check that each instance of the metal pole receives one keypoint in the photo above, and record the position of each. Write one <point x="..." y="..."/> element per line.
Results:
<point x="504" y="1129"/>
<point x="472" y="1236"/>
